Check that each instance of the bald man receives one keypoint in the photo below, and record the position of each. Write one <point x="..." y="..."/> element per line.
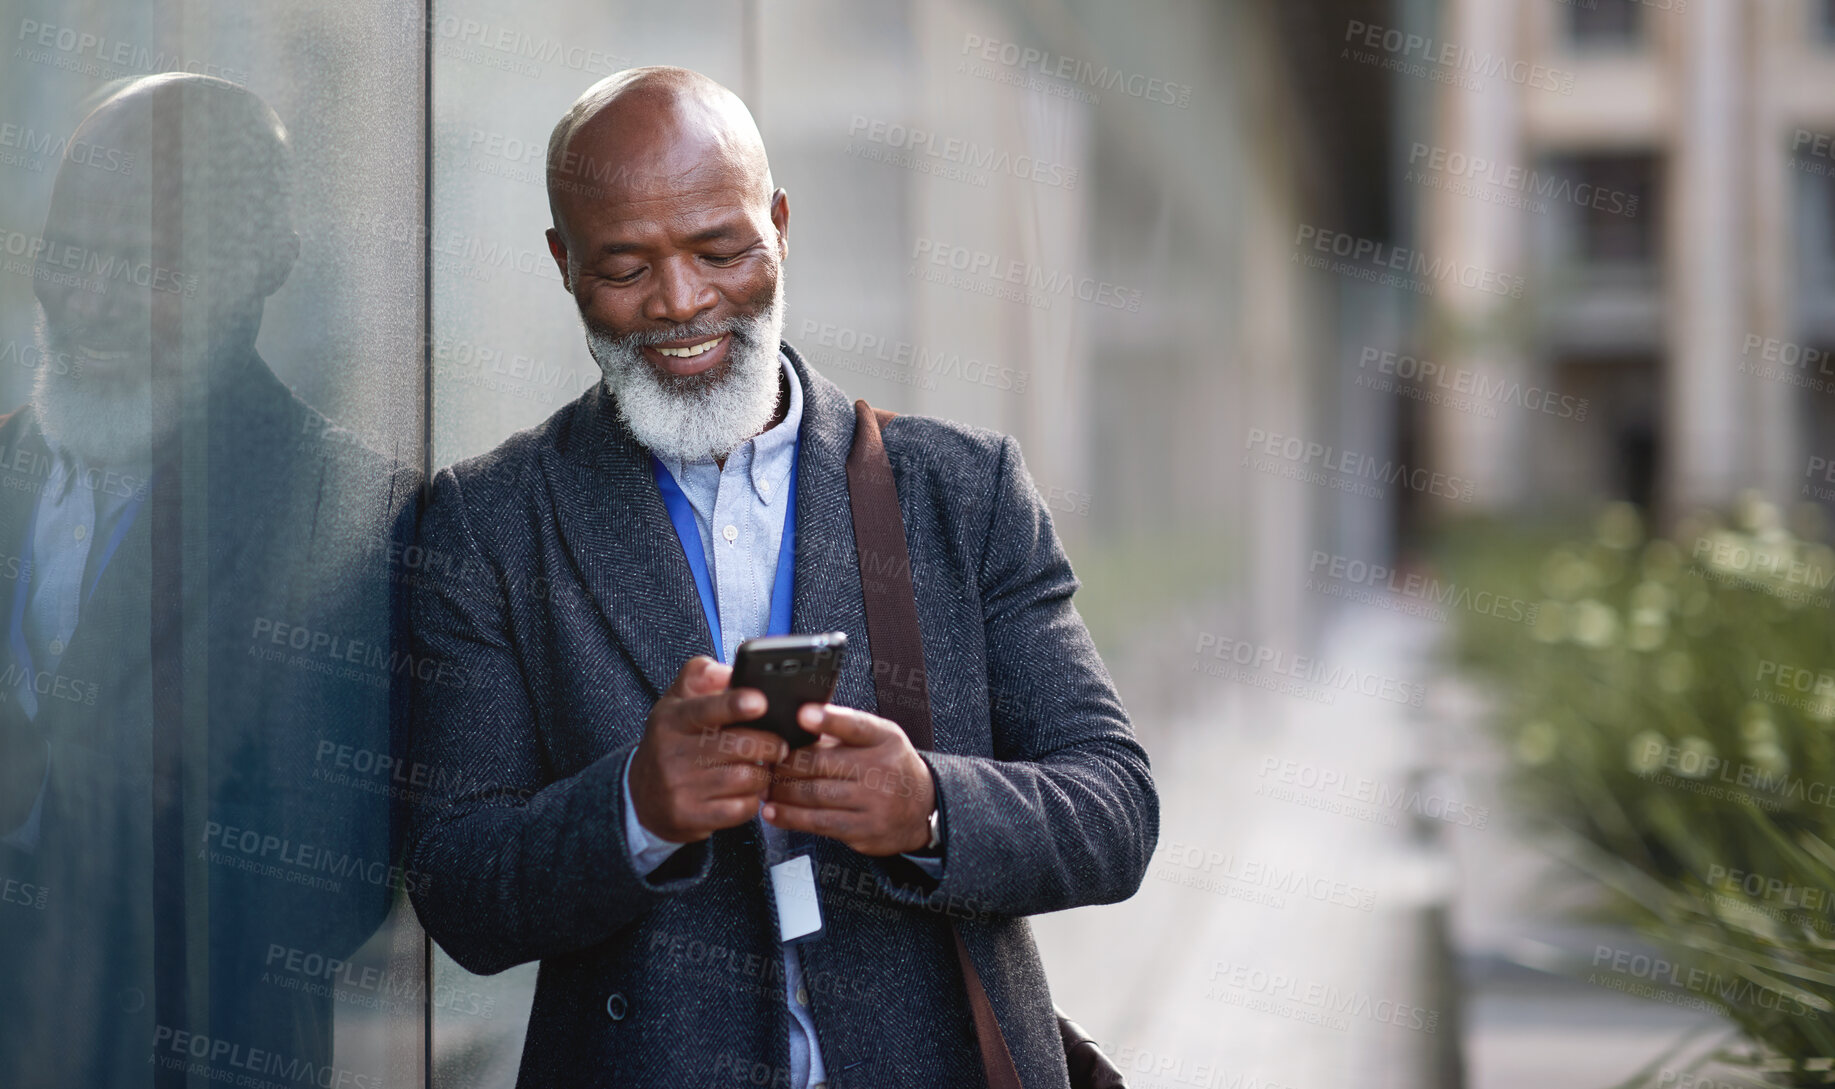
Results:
<point x="623" y="824"/>
<point x="166" y="506"/>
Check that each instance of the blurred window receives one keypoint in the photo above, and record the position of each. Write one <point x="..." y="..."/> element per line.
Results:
<point x="1606" y="24"/>
<point x="1615" y="222"/>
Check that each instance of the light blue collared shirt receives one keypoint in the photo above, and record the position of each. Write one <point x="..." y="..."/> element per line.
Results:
<point x="739" y="509"/>
<point x="75" y="503"/>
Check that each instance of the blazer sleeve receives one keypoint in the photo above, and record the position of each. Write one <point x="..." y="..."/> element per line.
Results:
<point x="1065" y="813"/>
<point x="512" y="865"/>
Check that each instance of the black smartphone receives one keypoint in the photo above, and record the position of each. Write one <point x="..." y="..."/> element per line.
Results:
<point x="790" y="670"/>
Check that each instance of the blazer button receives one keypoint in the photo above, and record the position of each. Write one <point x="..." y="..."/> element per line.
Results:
<point x="616" y="1007"/>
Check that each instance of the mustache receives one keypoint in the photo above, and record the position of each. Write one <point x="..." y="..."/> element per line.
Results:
<point x="98" y="333"/>
<point x="737" y="325"/>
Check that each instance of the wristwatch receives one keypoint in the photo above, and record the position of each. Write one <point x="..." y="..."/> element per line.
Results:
<point x="936" y="829"/>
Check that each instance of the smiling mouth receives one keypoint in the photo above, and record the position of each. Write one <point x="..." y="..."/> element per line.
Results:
<point x="100" y="355"/>
<point x="690" y="351"/>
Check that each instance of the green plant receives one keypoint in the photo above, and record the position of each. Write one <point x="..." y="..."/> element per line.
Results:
<point x="1670" y="713"/>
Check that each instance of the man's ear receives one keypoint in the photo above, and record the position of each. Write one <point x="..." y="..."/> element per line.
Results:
<point x="780" y="218"/>
<point x="557" y="246"/>
<point x="277" y="263"/>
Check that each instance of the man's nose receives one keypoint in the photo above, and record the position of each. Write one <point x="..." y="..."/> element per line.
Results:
<point x="681" y="294"/>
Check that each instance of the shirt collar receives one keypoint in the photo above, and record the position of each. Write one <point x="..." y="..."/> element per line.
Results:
<point x="68" y="466"/>
<point x="772" y="451"/>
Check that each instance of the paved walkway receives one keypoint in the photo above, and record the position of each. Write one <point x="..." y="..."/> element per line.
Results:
<point x="1283" y="937"/>
<point x="1318" y="847"/>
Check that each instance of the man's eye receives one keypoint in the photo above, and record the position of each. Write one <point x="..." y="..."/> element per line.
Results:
<point x="724" y="258"/>
<point x="625" y="277"/>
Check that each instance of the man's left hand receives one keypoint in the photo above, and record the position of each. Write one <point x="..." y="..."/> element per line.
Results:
<point x="861" y="783"/>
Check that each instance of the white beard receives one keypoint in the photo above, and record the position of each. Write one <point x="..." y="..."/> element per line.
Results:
<point x="106" y="422"/>
<point x="703" y="415"/>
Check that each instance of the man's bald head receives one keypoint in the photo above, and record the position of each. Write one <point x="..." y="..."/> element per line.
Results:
<point x="640" y="132"/>
<point x="194" y="136"/>
<point x="173" y="189"/>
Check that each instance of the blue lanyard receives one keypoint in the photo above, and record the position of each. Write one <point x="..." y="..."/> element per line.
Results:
<point x="22" y="653"/>
<point x="681" y="515"/>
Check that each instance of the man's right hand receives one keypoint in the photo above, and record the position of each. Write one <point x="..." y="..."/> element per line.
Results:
<point x="693" y="774"/>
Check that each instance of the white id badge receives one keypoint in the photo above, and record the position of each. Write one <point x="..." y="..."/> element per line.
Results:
<point x="799" y="915"/>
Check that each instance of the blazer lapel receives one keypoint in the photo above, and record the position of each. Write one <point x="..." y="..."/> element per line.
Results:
<point x="614" y="528"/>
<point x="828" y="594"/>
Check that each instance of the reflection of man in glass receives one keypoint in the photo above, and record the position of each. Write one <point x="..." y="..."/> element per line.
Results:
<point x="171" y="838"/>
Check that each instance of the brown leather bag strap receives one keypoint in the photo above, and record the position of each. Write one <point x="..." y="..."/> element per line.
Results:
<point x="899" y="682"/>
<point x="885" y="581"/>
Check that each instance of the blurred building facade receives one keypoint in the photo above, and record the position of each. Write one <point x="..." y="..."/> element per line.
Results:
<point x="1657" y="173"/>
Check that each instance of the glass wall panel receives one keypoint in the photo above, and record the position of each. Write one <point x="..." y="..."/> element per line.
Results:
<point x="211" y="353"/>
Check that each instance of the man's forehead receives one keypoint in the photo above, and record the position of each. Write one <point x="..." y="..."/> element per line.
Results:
<point x="680" y="211"/>
<point x="86" y="198"/>
<point x="695" y="190"/>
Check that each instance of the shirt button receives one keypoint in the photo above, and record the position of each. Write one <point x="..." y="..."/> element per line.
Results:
<point x="802" y="996"/>
<point x="81" y="532"/>
<point x="616" y="1007"/>
<point x="57" y="647"/>
<point x="731" y="533"/>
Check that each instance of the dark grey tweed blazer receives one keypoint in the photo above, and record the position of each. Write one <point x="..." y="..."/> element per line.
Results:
<point x="554" y="589"/>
